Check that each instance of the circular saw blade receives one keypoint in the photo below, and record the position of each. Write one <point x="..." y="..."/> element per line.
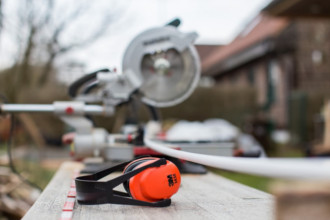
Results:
<point x="166" y="76"/>
<point x="167" y="64"/>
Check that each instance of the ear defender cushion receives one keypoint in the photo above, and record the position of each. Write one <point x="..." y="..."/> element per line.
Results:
<point x="155" y="183"/>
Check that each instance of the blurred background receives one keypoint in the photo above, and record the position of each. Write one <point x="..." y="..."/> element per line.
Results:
<point x="265" y="69"/>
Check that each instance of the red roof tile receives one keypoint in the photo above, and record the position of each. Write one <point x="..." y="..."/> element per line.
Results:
<point x="262" y="27"/>
<point x="204" y="51"/>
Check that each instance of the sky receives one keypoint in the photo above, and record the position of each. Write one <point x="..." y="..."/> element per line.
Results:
<point x="216" y="22"/>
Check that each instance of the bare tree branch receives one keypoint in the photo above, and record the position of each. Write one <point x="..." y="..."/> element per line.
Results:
<point x="44" y="29"/>
<point x="47" y="14"/>
<point x="56" y="48"/>
<point x="1" y="16"/>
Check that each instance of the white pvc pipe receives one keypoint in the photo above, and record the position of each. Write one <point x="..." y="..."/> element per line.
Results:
<point x="313" y="169"/>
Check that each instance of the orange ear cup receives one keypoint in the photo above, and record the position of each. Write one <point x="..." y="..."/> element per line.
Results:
<point x="155" y="183"/>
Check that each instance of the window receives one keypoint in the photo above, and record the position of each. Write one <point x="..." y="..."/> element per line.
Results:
<point x="273" y="73"/>
<point x="250" y="76"/>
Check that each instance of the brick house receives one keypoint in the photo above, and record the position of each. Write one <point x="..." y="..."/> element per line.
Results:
<point x="205" y="51"/>
<point x="275" y="55"/>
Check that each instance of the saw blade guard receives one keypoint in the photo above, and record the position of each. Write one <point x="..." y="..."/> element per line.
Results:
<point x="167" y="62"/>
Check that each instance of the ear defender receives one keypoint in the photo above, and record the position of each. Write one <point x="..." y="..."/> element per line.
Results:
<point x="149" y="181"/>
<point x="155" y="183"/>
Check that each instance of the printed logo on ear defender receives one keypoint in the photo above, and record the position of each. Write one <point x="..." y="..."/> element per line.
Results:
<point x="171" y="179"/>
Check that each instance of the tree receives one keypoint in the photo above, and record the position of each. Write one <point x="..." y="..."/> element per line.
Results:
<point x="0" y="15"/>
<point x="46" y="30"/>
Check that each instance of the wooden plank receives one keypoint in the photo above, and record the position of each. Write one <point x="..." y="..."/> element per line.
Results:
<point x="326" y="141"/>
<point x="201" y="196"/>
<point x="50" y="203"/>
<point x="324" y="148"/>
<point x="302" y="200"/>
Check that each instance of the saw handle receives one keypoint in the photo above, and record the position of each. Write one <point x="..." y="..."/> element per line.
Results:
<point x="175" y="22"/>
<point x="75" y="86"/>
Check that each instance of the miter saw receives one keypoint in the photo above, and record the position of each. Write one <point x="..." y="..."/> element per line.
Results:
<point x="160" y="66"/>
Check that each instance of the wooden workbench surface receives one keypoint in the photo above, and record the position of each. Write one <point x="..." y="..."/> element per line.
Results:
<point x="200" y="197"/>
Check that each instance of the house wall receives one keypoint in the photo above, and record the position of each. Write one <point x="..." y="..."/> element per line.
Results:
<point x="235" y="78"/>
<point x="302" y="62"/>
<point x="279" y="110"/>
<point x="313" y="54"/>
<point x="255" y="74"/>
<point x="259" y="83"/>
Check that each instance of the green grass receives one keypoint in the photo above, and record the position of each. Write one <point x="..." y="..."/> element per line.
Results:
<point x="258" y="182"/>
<point x="34" y="172"/>
<point x="38" y="176"/>
<point x="3" y="148"/>
<point x="287" y="151"/>
<point x="31" y="169"/>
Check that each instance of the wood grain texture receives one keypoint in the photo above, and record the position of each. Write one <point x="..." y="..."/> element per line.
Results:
<point x="50" y="203"/>
<point x="326" y="138"/>
<point x="200" y="197"/>
<point x="302" y="200"/>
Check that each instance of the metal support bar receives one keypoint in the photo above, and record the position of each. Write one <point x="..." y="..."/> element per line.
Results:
<point x="20" y="108"/>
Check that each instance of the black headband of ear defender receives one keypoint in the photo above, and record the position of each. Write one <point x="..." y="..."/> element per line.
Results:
<point x="90" y="191"/>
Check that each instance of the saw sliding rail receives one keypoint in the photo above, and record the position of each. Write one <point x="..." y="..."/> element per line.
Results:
<point x="52" y="108"/>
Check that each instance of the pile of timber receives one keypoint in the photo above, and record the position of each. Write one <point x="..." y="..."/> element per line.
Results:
<point x="16" y="197"/>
